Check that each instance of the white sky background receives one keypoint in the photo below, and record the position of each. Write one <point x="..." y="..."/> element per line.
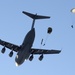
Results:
<point x="14" y="25"/>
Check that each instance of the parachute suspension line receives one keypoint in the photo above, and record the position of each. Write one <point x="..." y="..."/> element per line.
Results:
<point x="72" y="20"/>
<point x="46" y="40"/>
<point x="73" y="16"/>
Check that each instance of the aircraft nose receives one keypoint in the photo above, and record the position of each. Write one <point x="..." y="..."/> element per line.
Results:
<point x="17" y="64"/>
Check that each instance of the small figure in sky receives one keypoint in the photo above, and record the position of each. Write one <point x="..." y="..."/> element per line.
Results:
<point x="72" y="26"/>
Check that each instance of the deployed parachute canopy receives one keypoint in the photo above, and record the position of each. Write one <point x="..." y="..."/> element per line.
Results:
<point x="73" y="10"/>
<point x="49" y="30"/>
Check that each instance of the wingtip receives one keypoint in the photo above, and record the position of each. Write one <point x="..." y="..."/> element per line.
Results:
<point x="60" y="51"/>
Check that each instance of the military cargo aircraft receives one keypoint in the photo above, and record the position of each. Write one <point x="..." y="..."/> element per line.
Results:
<point x="25" y="50"/>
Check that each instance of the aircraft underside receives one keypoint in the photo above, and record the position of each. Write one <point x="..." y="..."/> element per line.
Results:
<point x="25" y="51"/>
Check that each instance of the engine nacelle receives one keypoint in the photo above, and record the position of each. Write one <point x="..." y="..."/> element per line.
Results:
<point x="31" y="57"/>
<point x="41" y="57"/>
<point x="11" y="54"/>
<point x="3" y="50"/>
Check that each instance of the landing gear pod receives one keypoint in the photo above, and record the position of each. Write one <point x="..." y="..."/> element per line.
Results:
<point x="41" y="57"/>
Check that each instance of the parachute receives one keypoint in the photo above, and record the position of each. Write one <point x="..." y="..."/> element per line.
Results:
<point x="49" y="30"/>
<point x="73" y="16"/>
<point x="73" y="10"/>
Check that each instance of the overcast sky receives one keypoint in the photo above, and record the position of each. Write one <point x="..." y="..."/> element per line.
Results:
<point x="14" y="25"/>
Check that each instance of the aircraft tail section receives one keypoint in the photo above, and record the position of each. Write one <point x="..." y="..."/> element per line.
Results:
<point x="35" y="16"/>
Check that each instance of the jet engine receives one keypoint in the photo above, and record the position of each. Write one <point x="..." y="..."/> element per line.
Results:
<point x="3" y="50"/>
<point x="41" y="57"/>
<point x="11" y="54"/>
<point x="31" y="57"/>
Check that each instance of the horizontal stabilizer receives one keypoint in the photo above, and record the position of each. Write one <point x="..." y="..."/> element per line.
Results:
<point x="35" y="16"/>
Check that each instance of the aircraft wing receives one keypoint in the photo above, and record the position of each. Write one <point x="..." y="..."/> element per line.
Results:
<point x="9" y="45"/>
<point x="43" y="51"/>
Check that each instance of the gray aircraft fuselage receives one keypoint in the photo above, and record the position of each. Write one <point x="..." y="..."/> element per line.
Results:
<point x="25" y="51"/>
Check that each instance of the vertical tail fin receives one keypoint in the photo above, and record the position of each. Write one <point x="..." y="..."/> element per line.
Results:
<point x="34" y="17"/>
